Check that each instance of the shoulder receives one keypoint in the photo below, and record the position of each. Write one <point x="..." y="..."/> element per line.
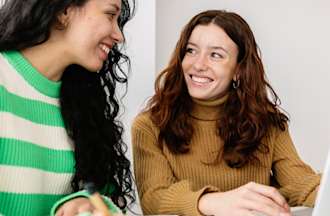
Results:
<point x="2" y="65"/>
<point x="143" y="122"/>
<point x="277" y="131"/>
<point x="4" y="81"/>
<point x="8" y="74"/>
<point x="277" y="136"/>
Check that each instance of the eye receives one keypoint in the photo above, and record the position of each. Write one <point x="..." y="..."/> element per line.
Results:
<point x="190" y="51"/>
<point x="111" y="15"/>
<point x="216" y="55"/>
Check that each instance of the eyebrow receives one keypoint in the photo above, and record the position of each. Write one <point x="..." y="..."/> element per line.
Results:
<point x="117" y="8"/>
<point x="211" y="47"/>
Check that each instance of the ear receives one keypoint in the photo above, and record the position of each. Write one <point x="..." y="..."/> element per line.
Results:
<point x="64" y="17"/>
<point x="62" y="21"/>
<point x="236" y="75"/>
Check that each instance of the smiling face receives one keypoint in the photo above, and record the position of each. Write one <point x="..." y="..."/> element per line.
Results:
<point x="209" y="62"/>
<point x="91" y="32"/>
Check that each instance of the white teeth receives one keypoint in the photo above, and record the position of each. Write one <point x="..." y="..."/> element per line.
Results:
<point x="105" y="48"/>
<point x="201" y="79"/>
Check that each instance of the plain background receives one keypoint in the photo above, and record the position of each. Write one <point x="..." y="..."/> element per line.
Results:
<point x="292" y="35"/>
<point x="140" y="35"/>
<point x="140" y="41"/>
<point x="294" y="40"/>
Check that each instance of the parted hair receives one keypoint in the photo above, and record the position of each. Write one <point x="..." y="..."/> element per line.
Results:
<point x="249" y="114"/>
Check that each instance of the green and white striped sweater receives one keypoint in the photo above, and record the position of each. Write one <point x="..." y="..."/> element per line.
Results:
<point x="36" y="155"/>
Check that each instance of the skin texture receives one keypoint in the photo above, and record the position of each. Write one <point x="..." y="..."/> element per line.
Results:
<point x="244" y="200"/>
<point x="86" y="30"/>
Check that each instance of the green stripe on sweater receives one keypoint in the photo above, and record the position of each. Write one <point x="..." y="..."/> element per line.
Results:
<point x="31" y="75"/>
<point x="33" y="110"/>
<point x="27" y="204"/>
<point x="19" y="153"/>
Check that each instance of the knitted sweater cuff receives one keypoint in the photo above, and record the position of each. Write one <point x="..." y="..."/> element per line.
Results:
<point x="188" y="203"/>
<point x="59" y="203"/>
<point x="310" y="195"/>
<point x="112" y="207"/>
<point x="311" y="198"/>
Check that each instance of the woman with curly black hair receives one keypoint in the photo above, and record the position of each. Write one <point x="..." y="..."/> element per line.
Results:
<point x="213" y="139"/>
<point x="60" y="63"/>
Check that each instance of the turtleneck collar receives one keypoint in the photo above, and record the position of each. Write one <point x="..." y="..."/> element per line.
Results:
<point x="208" y="110"/>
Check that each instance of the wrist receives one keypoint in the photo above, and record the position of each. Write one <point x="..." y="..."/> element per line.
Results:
<point x="205" y="204"/>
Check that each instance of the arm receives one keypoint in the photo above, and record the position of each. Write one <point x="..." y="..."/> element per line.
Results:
<point x="160" y="192"/>
<point x="298" y="182"/>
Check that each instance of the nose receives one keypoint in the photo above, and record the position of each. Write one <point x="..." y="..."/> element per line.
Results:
<point x="201" y="63"/>
<point x="117" y="34"/>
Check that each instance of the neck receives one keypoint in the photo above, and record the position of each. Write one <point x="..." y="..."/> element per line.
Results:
<point x="48" y="58"/>
<point x="209" y="110"/>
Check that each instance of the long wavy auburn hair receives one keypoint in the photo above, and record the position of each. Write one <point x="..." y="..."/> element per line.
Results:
<point x="250" y="112"/>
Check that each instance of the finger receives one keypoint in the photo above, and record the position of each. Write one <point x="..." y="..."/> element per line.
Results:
<point x="70" y="212"/>
<point x="264" y="200"/>
<point x="86" y="207"/>
<point x="268" y="191"/>
<point x="60" y="212"/>
<point x="246" y="213"/>
<point x="261" y="207"/>
<point x="97" y="213"/>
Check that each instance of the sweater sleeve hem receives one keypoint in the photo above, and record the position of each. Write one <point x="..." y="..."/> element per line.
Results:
<point x="209" y="189"/>
<point x="187" y="204"/>
<point x="60" y="202"/>
<point x="311" y="198"/>
<point x="111" y="206"/>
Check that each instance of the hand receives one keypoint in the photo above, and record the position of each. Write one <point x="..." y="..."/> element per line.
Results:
<point x="244" y="200"/>
<point x="76" y="206"/>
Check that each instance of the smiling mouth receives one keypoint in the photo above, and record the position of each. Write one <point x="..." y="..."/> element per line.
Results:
<point x="201" y="80"/>
<point x="105" y="48"/>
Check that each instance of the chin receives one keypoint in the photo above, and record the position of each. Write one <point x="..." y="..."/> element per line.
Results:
<point x="199" y="97"/>
<point x="94" y="68"/>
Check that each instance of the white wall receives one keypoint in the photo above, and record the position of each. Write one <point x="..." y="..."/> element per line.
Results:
<point x="140" y="36"/>
<point x="294" y="40"/>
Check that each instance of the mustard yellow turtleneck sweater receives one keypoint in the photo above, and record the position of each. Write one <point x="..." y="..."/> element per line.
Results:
<point x="173" y="183"/>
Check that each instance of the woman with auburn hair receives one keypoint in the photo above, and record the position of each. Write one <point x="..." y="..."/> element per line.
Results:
<point x="213" y="140"/>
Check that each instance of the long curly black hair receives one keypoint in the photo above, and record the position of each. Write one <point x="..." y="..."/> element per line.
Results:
<point x="88" y="100"/>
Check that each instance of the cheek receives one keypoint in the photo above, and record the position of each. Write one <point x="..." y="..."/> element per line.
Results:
<point x="186" y="65"/>
<point x="79" y="36"/>
<point x="90" y="32"/>
<point x="225" y="72"/>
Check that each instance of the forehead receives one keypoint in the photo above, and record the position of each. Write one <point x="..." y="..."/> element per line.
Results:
<point x="109" y="3"/>
<point x="211" y="35"/>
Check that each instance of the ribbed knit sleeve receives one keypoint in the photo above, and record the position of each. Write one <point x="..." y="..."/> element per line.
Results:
<point x="298" y="182"/>
<point x="159" y="190"/>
